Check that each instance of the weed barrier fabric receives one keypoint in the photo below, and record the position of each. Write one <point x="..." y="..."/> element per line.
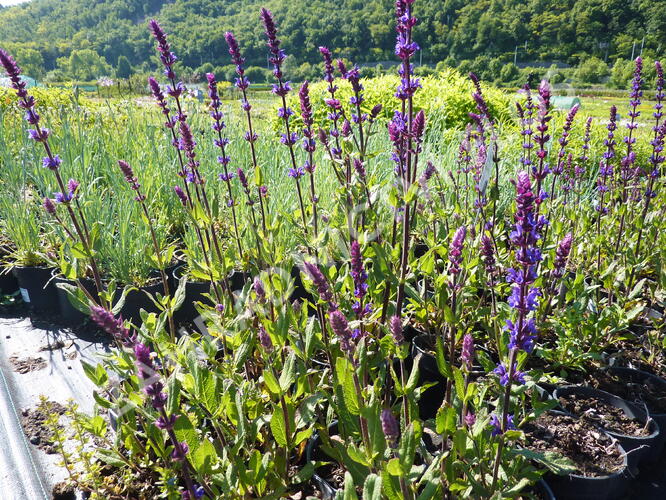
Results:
<point x="25" y="471"/>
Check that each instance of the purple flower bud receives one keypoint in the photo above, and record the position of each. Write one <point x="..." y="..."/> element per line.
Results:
<point x="503" y="374"/>
<point x="259" y="289"/>
<point x="181" y="195"/>
<point x="340" y="327"/>
<point x="265" y="339"/>
<point x="320" y="282"/>
<point x="395" y="325"/>
<point x="390" y="427"/>
<point x="562" y="255"/>
<point x="49" y="206"/>
<point x="455" y="250"/>
<point x="497" y="425"/>
<point x="180" y="451"/>
<point x="166" y="423"/>
<point x="467" y="354"/>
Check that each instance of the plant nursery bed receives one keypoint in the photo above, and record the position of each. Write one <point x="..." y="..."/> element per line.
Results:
<point x="28" y="464"/>
<point x="644" y="391"/>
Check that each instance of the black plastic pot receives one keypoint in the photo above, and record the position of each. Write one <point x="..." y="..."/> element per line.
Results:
<point x="37" y="289"/>
<point x="238" y="279"/>
<point x="300" y="293"/>
<point x="8" y="283"/>
<point x="68" y="312"/>
<point x="578" y="487"/>
<point x="431" y="399"/>
<point x="314" y="453"/>
<point x="639" y="376"/>
<point x="543" y="490"/>
<point x="138" y="299"/>
<point x="638" y="448"/>
<point x="194" y="292"/>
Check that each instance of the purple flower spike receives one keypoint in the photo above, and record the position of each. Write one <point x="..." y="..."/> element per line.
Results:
<point x="455" y="251"/>
<point x="180" y="451"/>
<point x="561" y="256"/>
<point x="52" y="163"/>
<point x="320" y="283"/>
<point x="497" y="426"/>
<point x="49" y="206"/>
<point x="467" y="354"/>
<point x="395" y="325"/>
<point x="181" y="195"/>
<point x="340" y="327"/>
<point x="265" y="339"/>
<point x="503" y="375"/>
<point x="390" y="427"/>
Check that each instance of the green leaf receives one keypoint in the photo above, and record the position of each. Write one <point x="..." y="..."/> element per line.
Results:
<point x="372" y="488"/>
<point x="288" y="375"/>
<point x="345" y="373"/>
<point x="557" y="463"/>
<point x="459" y="382"/>
<point x="278" y="428"/>
<point x="357" y="455"/>
<point x="349" y="492"/>
<point x="446" y="420"/>
<point x="410" y="439"/>
<point x="110" y="456"/>
<point x="271" y="382"/>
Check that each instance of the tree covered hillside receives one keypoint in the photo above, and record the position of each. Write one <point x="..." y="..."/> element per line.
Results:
<point x="79" y="36"/>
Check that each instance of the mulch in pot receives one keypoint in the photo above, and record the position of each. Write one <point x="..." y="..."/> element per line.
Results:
<point x="598" y="412"/>
<point x="593" y="452"/>
<point x="646" y="391"/>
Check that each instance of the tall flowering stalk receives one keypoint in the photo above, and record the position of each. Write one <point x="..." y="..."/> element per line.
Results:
<point x="309" y="145"/>
<point x="526" y="115"/>
<point x="52" y="162"/>
<point x="561" y="163"/>
<point x="335" y="114"/>
<point x="541" y="169"/>
<point x="281" y="89"/>
<point x="353" y="77"/>
<point x="222" y="142"/>
<point x="242" y="84"/>
<point x="627" y="169"/>
<point x="184" y="142"/>
<point x="524" y="296"/>
<point x="132" y="180"/>
<point x="455" y="258"/>
<point x="402" y="130"/>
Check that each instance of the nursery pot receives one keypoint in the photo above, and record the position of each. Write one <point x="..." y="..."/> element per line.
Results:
<point x="194" y="292"/>
<point x="8" y="283"/>
<point x="580" y="487"/>
<point x="432" y="398"/>
<point x="37" y="289"/>
<point x="543" y="490"/>
<point x="639" y="376"/>
<point x="138" y="299"/>
<point x="638" y="448"/>
<point x="238" y="279"/>
<point x="314" y="453"/>
<point x="68" y="312"/>
<point x="300" y="293"/>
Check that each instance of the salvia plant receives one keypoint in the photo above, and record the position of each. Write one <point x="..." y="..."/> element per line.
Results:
<point x="381" y="296"/>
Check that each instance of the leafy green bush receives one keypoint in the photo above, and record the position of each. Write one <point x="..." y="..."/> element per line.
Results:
<point x="445" y="99"/>
<point x="592" y="70"/>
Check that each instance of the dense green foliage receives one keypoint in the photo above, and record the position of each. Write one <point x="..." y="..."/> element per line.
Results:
<point x="43" y="32"/>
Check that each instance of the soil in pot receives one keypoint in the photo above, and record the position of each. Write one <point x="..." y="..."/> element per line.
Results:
<point x="603" y="414"/>
<point x="590" y="449"/>
<point x="633" y="385"/>
<point x="628" y="423"/>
